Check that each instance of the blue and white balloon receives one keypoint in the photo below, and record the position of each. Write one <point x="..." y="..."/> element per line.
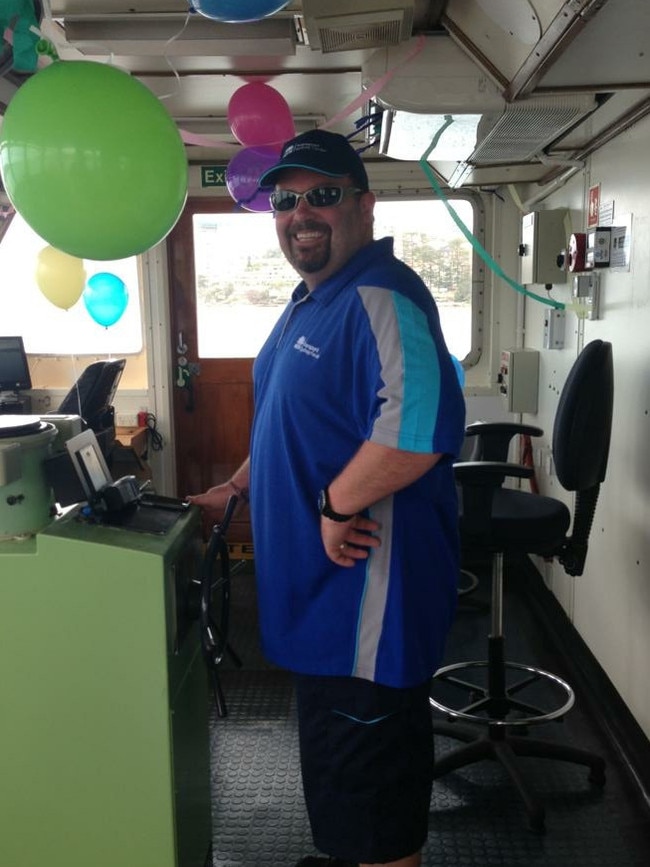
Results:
<point x="238" y="11"/>
<point x="105" y="297"/>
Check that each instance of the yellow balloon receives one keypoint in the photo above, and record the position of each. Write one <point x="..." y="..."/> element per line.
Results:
<point x="60" y="277"/>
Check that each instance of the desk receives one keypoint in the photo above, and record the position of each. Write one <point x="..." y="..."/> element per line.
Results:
<point x="16" y="405"/>
<point x="129" y="455"/>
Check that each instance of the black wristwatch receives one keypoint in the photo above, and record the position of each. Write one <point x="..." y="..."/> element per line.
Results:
<point x="325" y="508"/>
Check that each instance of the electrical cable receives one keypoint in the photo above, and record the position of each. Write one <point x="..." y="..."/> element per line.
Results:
<point x="155" y="437"/>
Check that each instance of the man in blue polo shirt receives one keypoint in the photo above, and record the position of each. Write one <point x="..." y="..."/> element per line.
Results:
<point x="358" y="418"/>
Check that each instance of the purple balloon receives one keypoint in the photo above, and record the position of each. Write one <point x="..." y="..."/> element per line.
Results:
<point x="244" y="172"/>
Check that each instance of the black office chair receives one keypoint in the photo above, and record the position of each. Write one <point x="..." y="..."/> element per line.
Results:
<point x="92" y="394"/>
<point x="498" y="521"/>
<point x="488" y="441"/>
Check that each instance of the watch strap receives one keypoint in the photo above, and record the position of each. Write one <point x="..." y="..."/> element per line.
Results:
<point x="325" y="508"/>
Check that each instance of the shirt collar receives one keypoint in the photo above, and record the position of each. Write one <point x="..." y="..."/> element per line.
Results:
<point x="327" y="291"/>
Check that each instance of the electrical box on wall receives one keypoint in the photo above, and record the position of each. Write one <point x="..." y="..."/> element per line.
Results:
<point x="543" y="237"/>
<point x="554" y="322"/>
<point x="519" y="379"/>
<point x="586" y="289"/>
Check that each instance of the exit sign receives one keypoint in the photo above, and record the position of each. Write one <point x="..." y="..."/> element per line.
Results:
<point x="213" y="176"/>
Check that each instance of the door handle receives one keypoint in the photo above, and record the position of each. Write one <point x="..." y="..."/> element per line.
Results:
<point x="185" y="372"/>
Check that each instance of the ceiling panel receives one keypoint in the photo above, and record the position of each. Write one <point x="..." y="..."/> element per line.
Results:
<point x="194" y="65"/>
<point x="613" y="49"/>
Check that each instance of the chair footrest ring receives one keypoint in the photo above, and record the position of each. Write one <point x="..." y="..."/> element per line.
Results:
<point x="469" y="582"/>
<point x="531" y="715"/>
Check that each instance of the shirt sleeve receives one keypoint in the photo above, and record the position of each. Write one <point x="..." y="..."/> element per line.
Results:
<point x="412" y="380"/>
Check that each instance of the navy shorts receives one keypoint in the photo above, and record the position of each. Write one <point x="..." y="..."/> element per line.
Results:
<point x="367" y="766"/>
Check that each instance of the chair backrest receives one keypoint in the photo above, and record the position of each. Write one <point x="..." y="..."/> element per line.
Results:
<point x="581" y="436"/>
<point x="92" y="395"/>
<point x="583" y="421"/>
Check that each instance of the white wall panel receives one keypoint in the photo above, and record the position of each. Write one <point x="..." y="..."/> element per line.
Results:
<point x="610" y="603"/>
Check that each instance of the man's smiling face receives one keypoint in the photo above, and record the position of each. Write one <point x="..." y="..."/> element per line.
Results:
<point x="319" y="241"/>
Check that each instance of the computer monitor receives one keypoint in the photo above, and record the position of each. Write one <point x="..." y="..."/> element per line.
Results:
<point x="92" y="395"/>
<point x="14" y="370"/>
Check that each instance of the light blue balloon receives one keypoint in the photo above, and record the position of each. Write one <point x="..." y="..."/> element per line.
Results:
<point x="236" y="11"/>
<point x="460" y="370"/>
<point x="105" y="297"/>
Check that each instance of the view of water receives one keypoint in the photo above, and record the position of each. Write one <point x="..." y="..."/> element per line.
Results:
<point x="238" y="331"/>
<point x="245" y="266"/>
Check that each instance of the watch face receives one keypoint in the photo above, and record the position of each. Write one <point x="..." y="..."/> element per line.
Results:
<point x="325" y="509"/>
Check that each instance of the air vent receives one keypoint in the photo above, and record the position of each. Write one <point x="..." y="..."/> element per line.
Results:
<point x="527" y="126"/>
<point x="362" y="31"/>
<point x="378" y="23"/>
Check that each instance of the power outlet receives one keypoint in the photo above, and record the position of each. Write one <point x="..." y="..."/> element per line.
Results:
<point x="549" y="465"/>
<point x="126" y="419"/>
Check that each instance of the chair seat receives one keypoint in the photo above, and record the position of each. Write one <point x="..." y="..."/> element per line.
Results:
<point x="522" y="522"/>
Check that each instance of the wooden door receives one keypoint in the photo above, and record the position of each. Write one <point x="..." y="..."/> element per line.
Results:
<point x="213" y="397"/>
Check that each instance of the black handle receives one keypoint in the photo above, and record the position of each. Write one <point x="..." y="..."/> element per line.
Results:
<point x="214" y="636"/>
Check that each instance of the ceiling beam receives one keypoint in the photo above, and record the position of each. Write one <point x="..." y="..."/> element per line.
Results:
<point x="569" y="22"/>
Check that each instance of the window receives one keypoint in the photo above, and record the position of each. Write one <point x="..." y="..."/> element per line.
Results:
<point x="243" y="280"/>
<point x="47" y="329"/>
<point x="427" y="239"/>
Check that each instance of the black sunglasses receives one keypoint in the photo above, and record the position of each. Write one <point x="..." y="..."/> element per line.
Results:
<point x="318" y="197"/>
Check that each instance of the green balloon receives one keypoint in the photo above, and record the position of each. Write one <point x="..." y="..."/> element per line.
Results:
<point x="92" y="161"/>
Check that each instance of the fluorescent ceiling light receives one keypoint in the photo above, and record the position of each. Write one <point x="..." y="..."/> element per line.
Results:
<point x="139" y="35"/>
<point x="407" y="136"/>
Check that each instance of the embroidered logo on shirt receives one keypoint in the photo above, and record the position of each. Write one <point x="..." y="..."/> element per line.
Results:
<point x="302" y="346"/>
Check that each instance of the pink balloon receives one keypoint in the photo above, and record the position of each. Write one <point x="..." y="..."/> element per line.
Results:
<point x="243" y="174"/>
<point x="259" y="115"/>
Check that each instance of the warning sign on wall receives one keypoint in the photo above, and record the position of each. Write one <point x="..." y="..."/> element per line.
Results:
<point x="593" y="209"/>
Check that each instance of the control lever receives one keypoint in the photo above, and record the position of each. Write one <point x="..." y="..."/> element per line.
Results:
<point x="214" y="635"/>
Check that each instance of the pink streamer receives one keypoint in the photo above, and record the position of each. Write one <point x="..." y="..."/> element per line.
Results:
<point x="376" y="87"/>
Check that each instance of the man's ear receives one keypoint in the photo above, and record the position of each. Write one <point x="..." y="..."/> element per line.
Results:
<point x="368" y="205"/>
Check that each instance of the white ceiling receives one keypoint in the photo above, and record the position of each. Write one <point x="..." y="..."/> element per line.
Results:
<point x="195" y="64"/>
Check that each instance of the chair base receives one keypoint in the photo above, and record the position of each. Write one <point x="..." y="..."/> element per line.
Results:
<point x="497" y="700"/>
<point x="498" y="704"/>
<point x="504" y="748"/>
<point x="495" y="706"/>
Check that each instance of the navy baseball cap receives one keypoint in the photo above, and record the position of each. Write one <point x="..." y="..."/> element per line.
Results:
<point x="318" y="150"/>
